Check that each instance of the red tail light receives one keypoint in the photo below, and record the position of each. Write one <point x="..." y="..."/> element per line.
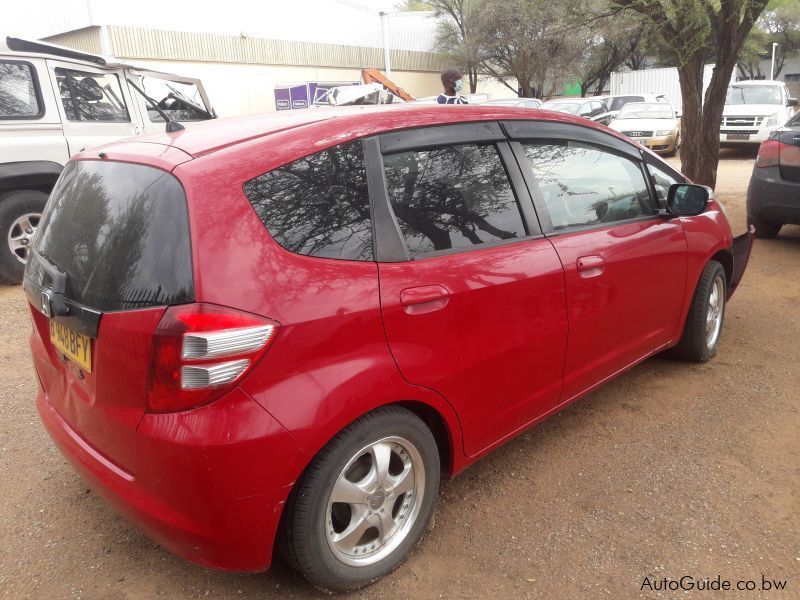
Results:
<point x="200" y="351"/>
<point x="790" y="155"/>
<point x="769" y="154"/>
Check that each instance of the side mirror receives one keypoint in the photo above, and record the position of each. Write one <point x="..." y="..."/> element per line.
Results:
<point x="686" y="199"/>
<point x="791" y="102"/>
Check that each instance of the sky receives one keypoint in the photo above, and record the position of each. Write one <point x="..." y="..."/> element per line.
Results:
<point x="270" y="18"/>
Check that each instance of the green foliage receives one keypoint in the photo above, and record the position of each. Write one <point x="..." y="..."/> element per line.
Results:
<point x="529" y="40"/>
<point x="695" y="31"/>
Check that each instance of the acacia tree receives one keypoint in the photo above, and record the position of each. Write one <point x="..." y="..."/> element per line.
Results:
<point x="455" y="35"/>
<point x="612" y="40"/>
<point x="693" y="31"/>
<point x="782" y="25"/>
<point x="528" y="40"/>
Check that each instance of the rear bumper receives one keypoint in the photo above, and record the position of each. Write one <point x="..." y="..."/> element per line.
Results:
<point x="772" y="198"/>
<point x="209" y="485"/>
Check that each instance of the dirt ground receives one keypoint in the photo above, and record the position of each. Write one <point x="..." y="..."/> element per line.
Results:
<point x="671" y="470"/>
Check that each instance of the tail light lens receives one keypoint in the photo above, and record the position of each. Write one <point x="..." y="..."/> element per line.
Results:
<point x="200" y="351"/>
<point x="768" y="154"/>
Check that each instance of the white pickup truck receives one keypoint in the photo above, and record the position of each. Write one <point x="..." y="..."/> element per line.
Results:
<point x="753" y="110"/>
<point x="56" y="101"/>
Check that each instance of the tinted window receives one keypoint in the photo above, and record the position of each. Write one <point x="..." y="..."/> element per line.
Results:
<point x="120" y="233"/>
<point x="585" y="185"/>
<point x="620" y="101"/>
<point x="18" y="94"/>
<point x="91" y="96"/>
<point x="452" y="197"/>
<point x="661" y="182"/>
<point x="318" y="205"/>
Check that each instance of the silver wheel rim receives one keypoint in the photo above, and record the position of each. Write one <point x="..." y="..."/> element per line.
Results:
<point x="714" y="310"/>
<point x="20" y="235"/>
<point x="375" y="501"/>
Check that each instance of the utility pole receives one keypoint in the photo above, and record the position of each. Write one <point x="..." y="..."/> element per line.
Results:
<point x="772" y="64"/>
<point x="387" y="65"/>
<point x="105" y="43"/>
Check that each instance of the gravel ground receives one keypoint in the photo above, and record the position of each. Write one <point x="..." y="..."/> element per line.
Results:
<point x="670" y="470"/>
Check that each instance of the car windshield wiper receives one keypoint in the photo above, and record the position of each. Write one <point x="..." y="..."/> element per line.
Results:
<point x="179" y="96"/>
<point x="172" y="124"/>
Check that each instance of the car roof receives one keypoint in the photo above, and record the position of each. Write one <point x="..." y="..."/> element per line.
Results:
<point x="510" y="100"/>
<point x="565" y="100"/>
<point x="748" y="82"/>
<point x="653" y="103"/>
<point x="314" y="128"/>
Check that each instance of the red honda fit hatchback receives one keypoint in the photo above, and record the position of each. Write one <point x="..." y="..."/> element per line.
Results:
<point x="295" y="324"/>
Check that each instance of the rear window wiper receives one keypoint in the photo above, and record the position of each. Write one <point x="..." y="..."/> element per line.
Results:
<point x="53" y="304"/>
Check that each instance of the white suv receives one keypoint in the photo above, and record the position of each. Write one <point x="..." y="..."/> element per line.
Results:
<point x="753" y="110"/>
<point x="56" y="101"/>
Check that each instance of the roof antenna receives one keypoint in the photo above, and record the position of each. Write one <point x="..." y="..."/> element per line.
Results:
<point x="172" y="125"/>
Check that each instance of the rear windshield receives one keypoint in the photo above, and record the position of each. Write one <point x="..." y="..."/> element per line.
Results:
<point x="619" y="101"/>
<point x="120" y="233"/>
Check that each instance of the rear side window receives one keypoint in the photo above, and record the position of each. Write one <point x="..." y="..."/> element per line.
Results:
<point x="91" y="96"/>
<point x="318" y="205"/>
<point x="452" y="197"/>
<point x="585" y="185"/>
<point x="19" y="94"/>
<point x="120" y="233"/>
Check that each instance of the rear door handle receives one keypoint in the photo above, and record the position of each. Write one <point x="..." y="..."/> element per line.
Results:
<point x="424" y="299"/>
<point x="591" y="266"/>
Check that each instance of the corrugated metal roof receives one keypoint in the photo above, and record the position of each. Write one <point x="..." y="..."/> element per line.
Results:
<point x="158" y="44"/>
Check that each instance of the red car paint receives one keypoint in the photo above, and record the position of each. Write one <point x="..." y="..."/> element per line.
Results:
<point x="483" y="343"/>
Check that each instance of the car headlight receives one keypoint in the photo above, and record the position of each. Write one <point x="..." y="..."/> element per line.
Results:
<point x="663" y="132"/>
<point x="772" y="120"/>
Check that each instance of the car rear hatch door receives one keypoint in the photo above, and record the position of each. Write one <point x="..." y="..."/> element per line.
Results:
<point x="112" y="251"/>
<point x="789" y="139"/>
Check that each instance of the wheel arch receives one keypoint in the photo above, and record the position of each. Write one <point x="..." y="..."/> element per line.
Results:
<point x="37" y="175"/>
<point x="725" y="258"/>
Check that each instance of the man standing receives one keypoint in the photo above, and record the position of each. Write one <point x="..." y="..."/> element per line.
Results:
<point x="452" y="83"/>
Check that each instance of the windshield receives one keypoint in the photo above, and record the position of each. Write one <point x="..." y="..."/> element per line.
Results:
<point x="181" y="101"/>
<point x="618" y="102"/>
<point x="565" y="107"/>
<point x="646" y="111"/>
<point x="754" y="94"/>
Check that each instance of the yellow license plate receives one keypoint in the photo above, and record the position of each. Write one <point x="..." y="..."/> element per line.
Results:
<point x="76" y="346"/>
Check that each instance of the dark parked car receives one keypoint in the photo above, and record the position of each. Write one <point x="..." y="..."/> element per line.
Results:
<point x="773" y="197"/>
<point x="289" y="327"/>
<point x="520" y="102"/>
<point x="589" y="108"/>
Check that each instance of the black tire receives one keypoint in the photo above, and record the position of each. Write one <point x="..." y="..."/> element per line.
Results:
<point x="14" y="205"/>
<point x="693" y="345"/>
<point x="304" y="527"/>
<point x="766" y="229"/>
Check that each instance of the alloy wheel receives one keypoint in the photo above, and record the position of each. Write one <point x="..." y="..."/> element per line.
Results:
<point x="714" y="311"/>
<point x="375" y="501"/>
<point x="20" y="235"/>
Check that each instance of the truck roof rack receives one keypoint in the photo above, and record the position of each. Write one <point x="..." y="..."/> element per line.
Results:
<point x="23" y="45"/>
